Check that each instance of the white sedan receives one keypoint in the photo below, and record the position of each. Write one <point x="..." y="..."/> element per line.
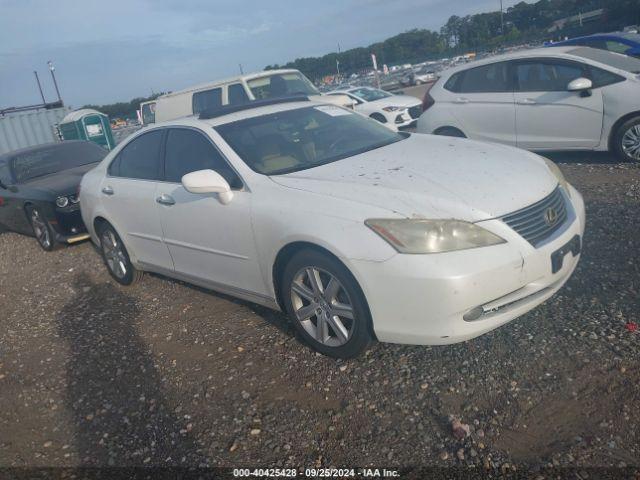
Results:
<point x="357" y="232"/>
<point x="561" y="98"/>
<point x="396" y="111"/>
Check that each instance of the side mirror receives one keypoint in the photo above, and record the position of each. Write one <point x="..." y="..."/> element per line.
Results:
<point x="208" y="181"/>
<point x="580" y="84"/>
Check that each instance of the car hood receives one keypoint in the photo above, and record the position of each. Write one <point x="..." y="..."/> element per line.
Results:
<point x="64" y="182"/>
<point x="396" y="101"/>
<point x="426" y="176"/>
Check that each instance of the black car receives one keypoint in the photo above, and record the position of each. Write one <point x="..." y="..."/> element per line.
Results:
<point x="39" y="190"/>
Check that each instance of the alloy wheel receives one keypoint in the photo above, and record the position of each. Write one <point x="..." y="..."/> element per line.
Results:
<point x="41" y="230"/>
<point x="322" y="306"/>
<point x="114" y="255"/>
<point x="631" y="142"/>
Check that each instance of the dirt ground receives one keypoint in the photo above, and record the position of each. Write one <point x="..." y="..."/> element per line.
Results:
<point x="93" y="374"/>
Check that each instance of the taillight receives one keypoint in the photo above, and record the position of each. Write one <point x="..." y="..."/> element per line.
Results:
<point x="427" y="101"/>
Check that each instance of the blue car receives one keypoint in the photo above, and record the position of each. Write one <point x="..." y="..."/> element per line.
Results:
<point x="625" y="43"/>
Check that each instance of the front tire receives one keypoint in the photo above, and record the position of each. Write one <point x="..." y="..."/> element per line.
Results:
<point x="326" y="305"/>
<point x="116" y="257"/>
<point x="626" y="141"/>
<point x="378" y="117"/>
<point x="41" y="229"/>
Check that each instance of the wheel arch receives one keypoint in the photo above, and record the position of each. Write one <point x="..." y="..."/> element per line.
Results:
<point x="616" y="126"/>
<point x="287" y="251"/>
<point x="438" y="130"/>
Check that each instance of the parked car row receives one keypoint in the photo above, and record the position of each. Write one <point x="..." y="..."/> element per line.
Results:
<point x="562" y="98"/>
<point x="356" y="231"/>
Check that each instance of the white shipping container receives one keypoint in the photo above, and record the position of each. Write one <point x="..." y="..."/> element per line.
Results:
<point x="32" y="127"/>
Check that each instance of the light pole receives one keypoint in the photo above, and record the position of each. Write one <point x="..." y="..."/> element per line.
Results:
<point x="501" y="20"/>
<point x="53" y="75"/>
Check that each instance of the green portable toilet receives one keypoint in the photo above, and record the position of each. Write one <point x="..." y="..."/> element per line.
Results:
<point x="87" y="124"/>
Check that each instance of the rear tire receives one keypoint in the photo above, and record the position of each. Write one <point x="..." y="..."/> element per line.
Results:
<point x="450" y="132"/>
<point x="116" y="257"/>
<point x="626" y="140"/>
<point x="41" y="229"/>
<point x="326" y="305"/>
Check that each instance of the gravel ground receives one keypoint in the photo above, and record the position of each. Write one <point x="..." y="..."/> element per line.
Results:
<point x="92" y="374"/>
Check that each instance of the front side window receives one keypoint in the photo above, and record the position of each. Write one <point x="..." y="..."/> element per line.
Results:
<point x="237" y="94"/>
<point x="207" y="99"/>
<point x="488" y="78"/>
<point x="45" y="161"/>
<point x="139" y="159"/>
<point x="304" y="138"/>
<point x="281" y="85"/>
<point x="189" y="151"/>
<point x="370" y="94"/>
<point x="546" y="76"/>
<point x="602" y="78"/>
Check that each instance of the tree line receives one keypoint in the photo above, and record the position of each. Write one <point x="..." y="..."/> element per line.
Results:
<point x="524" y="22"/>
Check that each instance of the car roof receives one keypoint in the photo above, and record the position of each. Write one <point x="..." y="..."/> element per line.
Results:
<point x="42" y="146"/>
<point x="224" y="81"/>
<point x="559" y="51"/>
<point x="258" y="111"/>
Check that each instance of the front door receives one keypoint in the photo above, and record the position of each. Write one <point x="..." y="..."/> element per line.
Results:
<point x="548" y="116"/>
<point x="129" y="198"/>
<point x="208" y="240"/>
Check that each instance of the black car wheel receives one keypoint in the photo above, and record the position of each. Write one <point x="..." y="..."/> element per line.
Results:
<point x="116" y="257"/>
<point x="326" y="305"/>
<point x="41" y="229"/>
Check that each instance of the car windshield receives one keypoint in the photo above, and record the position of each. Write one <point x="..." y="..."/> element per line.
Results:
<point x="304" y="138"/>
<point x="615" y="60"/>
<point x="281" y="85"/>
<point x="370" y="94"/>
<point x="45" y="161"/>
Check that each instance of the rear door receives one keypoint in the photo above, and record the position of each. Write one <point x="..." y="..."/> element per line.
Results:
<point x="548" y="116"/>
<point x="482" y="101"/>
<point x="208" y="240"/>
<point x="129" y="198"/>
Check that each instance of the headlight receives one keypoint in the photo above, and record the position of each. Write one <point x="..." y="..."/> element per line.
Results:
<point x="432" y="236"/>
<point x="558" y="174"/>
<point x="62" y="202"/>
<point x="392" y="109"/>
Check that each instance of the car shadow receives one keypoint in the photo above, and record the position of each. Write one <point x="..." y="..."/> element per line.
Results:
<point x="114" y="391"/>
<point x="591" y="157"/>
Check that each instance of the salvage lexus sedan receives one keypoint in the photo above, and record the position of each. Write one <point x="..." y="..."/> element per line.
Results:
<point x="39" y="190"/>
<point x="356" y="231"/>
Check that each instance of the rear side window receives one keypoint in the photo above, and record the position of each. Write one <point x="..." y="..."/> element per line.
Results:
<point x="453" y="84"/>
<point x="488" y="78"/>
<point x="139" y="159"/>
<point x="5" y="174"/>
<point x="189" y="151"/>
<point x="546" y="76"/>
<point x="237" y="94"/>
<point x="602" y="78"/>
<point x="207" y="99"/>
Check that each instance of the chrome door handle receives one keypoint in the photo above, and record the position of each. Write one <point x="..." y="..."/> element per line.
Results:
<point x="107" y="191"/>
<point x="165" y="199"/>
<point x="461" y="100"/>
<point x="527" y="101"/>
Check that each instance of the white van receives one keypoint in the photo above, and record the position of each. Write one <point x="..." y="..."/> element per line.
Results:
<point x="238" y="90"/>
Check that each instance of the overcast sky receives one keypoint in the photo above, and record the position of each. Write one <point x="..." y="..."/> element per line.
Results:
<point x="113" y="50"/>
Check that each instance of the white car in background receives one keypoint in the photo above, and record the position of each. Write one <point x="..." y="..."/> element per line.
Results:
<point x="356" y="231"/>
<point x="561" y="98"/>
<point x="399" y="111"/>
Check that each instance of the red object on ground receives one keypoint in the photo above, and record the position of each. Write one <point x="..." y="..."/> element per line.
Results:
<point x="631" y="326"/>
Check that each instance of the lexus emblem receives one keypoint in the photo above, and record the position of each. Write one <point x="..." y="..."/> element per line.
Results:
<point x="551" y="216"/>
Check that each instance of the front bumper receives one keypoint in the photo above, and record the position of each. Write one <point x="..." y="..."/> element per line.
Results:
<point x="421" y="299"/>
<point x="68" y="226"/>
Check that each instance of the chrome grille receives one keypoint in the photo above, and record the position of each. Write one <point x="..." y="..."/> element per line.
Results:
<point x="534" y="223"/>
<point x="416" y="111"/>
